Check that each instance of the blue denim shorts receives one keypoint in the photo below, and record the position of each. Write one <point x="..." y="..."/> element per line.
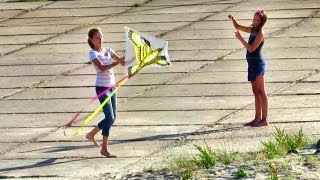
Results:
<point x="254" y="71"/>
<point x="255" y="67"/>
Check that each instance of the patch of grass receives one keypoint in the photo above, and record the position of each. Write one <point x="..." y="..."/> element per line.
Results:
<point x="269" y="160"/>
<point x="226" y="157"/>
<point x="149" y="169"/>
<point x="310" y="161"/>
<point x="183" y="163"/>
<point x="241" y="172"/>
<point x="185" y="175"/>
<point x="284" y="143"/>
<point x="259" y="157"/>
<point x="84" y="25"/>
<point x="273" y="170"/>
<point x="290" y="142"/>
<point x="136" y="5"/>
<point x="206" y="157"/>
<point x="272" y="149"/>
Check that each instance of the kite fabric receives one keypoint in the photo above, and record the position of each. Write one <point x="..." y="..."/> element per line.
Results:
<point x="141" y="50"/>
<point x="144" y="50"/>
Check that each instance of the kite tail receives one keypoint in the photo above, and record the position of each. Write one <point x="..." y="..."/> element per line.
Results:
<point x="74" y="118"/>
<point x="90" y="117"/>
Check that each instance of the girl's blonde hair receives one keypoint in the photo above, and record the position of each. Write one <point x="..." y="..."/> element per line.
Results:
<point x="91" y="33"/>
<point x="263" y="17"/>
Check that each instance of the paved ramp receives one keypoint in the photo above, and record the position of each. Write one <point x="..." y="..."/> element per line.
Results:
<point x="203" y="98"/>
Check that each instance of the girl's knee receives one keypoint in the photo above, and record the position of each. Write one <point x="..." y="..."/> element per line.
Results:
<point x="255" y="91"/>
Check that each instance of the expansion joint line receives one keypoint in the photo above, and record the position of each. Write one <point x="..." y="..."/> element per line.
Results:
<point x="201" y="19"/>
<point x="26" y="11"/>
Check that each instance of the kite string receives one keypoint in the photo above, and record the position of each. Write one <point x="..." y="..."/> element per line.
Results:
<point x="74" y="118"/>
<point x="90" y="117"/>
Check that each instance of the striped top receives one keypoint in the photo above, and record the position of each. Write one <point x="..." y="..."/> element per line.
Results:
<point x="104" y="78"/>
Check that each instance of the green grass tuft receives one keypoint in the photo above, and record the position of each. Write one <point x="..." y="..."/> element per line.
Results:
<point x="273" y="170"/>
<point x="186" y="175"/>
<point x="206" y="157"/>
<point x="311" y="161"/>
<point x="226" y="157"/>
<point x="137" y="5"/>
<point x="182" y="163"/>
<point x="241" y="172"/>
<point x="284" y="143"/>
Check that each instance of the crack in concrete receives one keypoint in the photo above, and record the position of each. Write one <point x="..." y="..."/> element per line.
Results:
<point x="201" y="19"/>
<point x="25" y="11"/>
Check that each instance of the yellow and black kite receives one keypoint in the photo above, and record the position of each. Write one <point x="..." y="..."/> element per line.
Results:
<point x="143" y="50"/>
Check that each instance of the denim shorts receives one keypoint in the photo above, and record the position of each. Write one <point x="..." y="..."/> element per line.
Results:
<point x="255" y="67"/>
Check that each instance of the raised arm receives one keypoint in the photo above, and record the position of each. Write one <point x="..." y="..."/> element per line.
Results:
<point x="251" y="47"/>
<point x="239" y="26"/>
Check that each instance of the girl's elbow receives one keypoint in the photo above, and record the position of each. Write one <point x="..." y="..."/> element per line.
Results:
<point x="250" y="50"/>
<point x="101" y="68"/>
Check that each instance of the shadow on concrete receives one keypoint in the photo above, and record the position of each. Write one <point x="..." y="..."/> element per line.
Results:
<point x="177" y="135"/>
<point x="59" y="149"/>
<point x="47" y="162"/>
<point x="148" y="138"/>
<point x="52" y="161"/>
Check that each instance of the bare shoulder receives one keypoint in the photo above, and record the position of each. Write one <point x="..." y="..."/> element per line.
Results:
<point x="261" y="34"/>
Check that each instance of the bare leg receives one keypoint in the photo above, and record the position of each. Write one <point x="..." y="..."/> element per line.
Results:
<point x="258" y="107"/>
<point x="264" y="101"/>
<point x="257" y="99"/>
<point x="104" y="148"/>
<point x="90" y="136"/>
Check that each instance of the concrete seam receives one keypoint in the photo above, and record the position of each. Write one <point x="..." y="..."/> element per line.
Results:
<point x="27" y="11"/>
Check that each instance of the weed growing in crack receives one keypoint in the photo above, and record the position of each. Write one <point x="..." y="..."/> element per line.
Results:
<point x="206" y="157"/>
<point x="284" y="143"/>
<point x="241" y="172"/>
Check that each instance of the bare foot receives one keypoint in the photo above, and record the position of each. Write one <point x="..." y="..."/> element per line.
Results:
<point x="261" y="123"/>
<point x="107" y="154"/>
<point x="252" y="123"/>
<point x="91" y="138"/>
